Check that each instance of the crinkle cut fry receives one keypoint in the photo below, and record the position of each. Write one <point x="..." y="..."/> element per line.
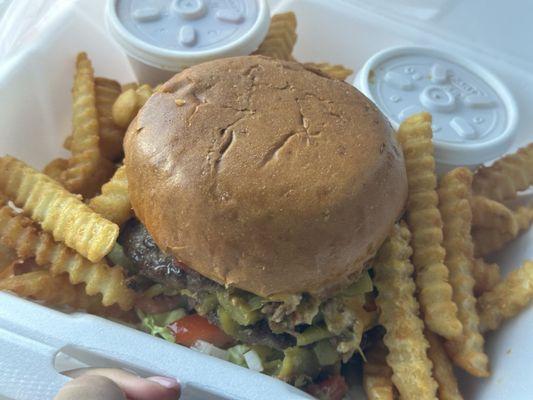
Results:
<point x="114" y="202"/>
<point x="507" y="298"/>
<point x="126" y="106"/>
<point x="56" y="290"/>
<point x="87" y="169"/>
<point x="57" y="210"/>
<point x="19" y="233"/>
<point x="281" y="37"/>
<point x="425" y="223"/>
<point x="111" y="135"/>
<point x="55" y="168"/>
<point x="507" y="176"/>
<point x="7" y="256"/>
<point x="486" y="275"/>
<point x="399" y="311"/>
<point x="442" y="369"/>
<point x="454" y="193"/>
<point x="377" y="375"/>
<point x="490" y="240"/>
<point x="490" y="214"/>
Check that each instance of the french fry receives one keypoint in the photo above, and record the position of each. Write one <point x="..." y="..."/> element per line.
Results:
<point x="281" y="37"/>
<point x="19" y="233"/>
<point x="57" y="210"/>
<point x="454" y="193"/>
<point x="490" y="214"/>
<point x="485" y="275"/>
<point x="111" y="135"/>
<point x="7" y="256"/>
<point x="399" y="310"/>
<point x="114" y="202"/>
<point x="56" y="291"/>
<point x="67" y="144"/>
<point x="87" y="169"/>
<point x="507" y="298"/>
<point x="490" y="240"/>
<point x="377" y="382"/>
<point x="507" y="176"/>
<point x="336" y="71"/>
<point x="55" y="168"/>
<point x="442" y="369"/>
<point x="129" y="102"/>
<point x="425" y="223"/>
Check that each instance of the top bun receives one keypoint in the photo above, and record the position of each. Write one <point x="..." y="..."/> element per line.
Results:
<point x="266" y="176"/>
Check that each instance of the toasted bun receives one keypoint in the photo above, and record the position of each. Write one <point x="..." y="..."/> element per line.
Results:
<point x="263" y="175"/>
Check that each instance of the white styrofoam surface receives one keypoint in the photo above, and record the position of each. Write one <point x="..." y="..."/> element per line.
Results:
<point x="35" y="118"/>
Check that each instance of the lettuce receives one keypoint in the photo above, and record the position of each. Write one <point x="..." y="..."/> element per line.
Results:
<point x="156" y="324"/>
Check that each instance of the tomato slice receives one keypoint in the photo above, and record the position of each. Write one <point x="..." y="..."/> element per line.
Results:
<point x="191" y="328"/>
<point x="332" y="388"/>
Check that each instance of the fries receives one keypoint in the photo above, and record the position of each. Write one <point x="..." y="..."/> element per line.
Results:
<point x="55" y="168"/>
<point x="111" y="136"/>
<point x="127" y="105"/>
<point x="58" y="211"/>
<point x="7" y="256"/>
<point x="281" y="37"/>
<point x="87" y="169"/>
<point x="507" y="298"/>
<point x="114" y="202"/>
<point x="377" y="382"/>
<point x="335" y="71"/>
<point x="442" y="369"/>
<point x="507" y="176"/>
<point x="485" y="275"/>
<point x="19" y="233"/>
<point x="490" y="214"/>
<point x="454" y="194"/>
<point x="404" y="335"/>
<point x="425" y="223"/>
<point x="57" y="291"/>
<point x="490" y="240"/>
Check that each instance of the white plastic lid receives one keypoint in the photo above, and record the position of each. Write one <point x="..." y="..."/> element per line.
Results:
<point x="474" y="115"/>
<point x="173" y="34"/>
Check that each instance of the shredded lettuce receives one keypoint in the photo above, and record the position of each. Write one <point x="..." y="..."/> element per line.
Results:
<point x="156" y="324"/>
<point x="236" y="354"/>
<point x="362" y="285"/>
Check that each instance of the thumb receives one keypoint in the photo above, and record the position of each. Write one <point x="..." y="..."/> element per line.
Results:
<point x="91" y="387"/>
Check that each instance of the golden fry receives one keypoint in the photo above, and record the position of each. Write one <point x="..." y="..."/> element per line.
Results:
<point x="55" y="168"/>
<point x="56" y="290"/>
<point x="114" y="202"/>
<point x="57" y="210"/>
<point x="129" y="85"/>
<point x="524" y="217"/>
<point x="454" y="194"/>
<point x="507" y="176"/>
<point x="425" y="223"/>
<point x="111" y="135"/>
<point x="485" y="275"/>
<point x="336" y="71"/>
<point x="507" y="298"/>
<point x="281" y="37"/>
<point x="490" y="214"/>
<point x="19" y="233"/>
<point x="87" y="169"/>
<point x="398" y="307"/>
<point x="442" y="369"/>
<point x="67" y="144"/>
<point x="377" y="382"/>
<point x="127" y="105"/>
<point x="7" y="256"/>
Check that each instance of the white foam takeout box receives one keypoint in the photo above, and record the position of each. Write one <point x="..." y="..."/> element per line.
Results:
<point x="36" y="68"/>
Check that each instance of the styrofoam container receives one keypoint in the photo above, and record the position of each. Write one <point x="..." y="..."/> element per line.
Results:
<point x="35" y="82"/>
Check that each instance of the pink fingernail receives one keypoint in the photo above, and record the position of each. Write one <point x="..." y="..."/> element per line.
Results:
<point x="169" y="383"/>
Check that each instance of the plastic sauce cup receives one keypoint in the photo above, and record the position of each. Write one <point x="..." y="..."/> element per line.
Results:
<point x="474" y="114"/>
<point x="162" y="37"/>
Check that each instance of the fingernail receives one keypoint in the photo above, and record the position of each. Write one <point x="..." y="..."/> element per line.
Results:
<point x="169" y="383"/>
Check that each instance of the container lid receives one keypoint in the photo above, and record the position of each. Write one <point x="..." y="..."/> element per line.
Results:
<point x="474" y="115"/>
<point x="175" y="34"/>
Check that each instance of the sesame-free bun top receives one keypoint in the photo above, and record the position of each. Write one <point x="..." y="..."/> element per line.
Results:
<point x="263" y="175"/>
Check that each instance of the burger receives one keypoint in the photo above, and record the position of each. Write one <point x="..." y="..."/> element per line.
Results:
<point x="261" y="189"/>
